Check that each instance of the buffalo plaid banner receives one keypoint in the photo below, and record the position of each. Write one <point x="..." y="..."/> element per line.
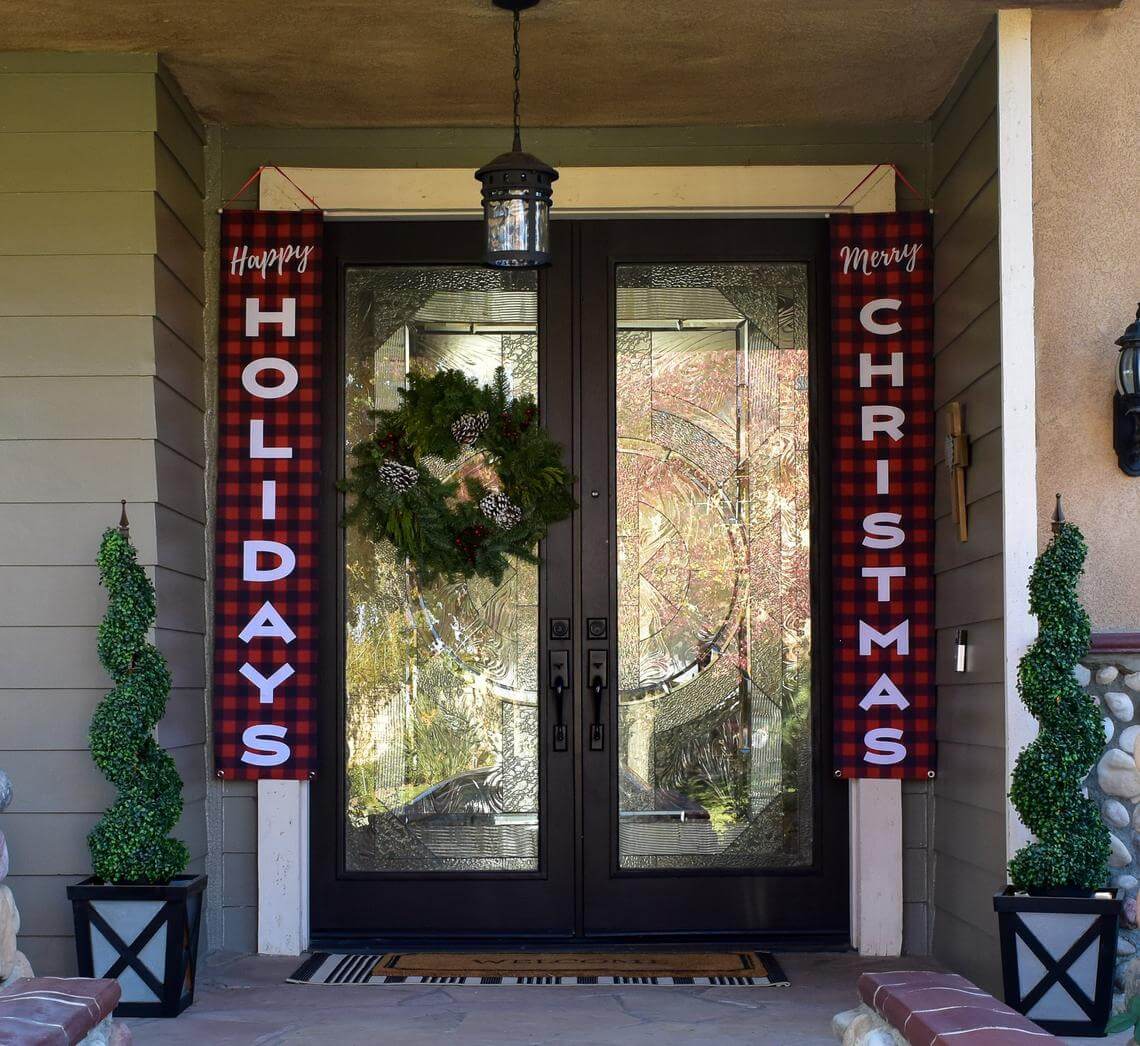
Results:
<point x="883" y="495"/>
<point x="265" y="624"/>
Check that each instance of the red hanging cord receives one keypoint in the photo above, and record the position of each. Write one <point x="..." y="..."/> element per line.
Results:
<point x="257" y="174"/>
<point x="879" y="166"/>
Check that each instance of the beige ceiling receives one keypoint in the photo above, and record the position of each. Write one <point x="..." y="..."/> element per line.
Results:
<point x="384" y="63"/>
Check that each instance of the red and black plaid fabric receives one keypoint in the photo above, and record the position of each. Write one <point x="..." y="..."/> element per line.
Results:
<point x="242" y="723"/>
<point x="883" y="739"/>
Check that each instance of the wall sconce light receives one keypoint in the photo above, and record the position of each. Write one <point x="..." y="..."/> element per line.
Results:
<point x="960" y="638"/>
<point x="1126" y="402"/>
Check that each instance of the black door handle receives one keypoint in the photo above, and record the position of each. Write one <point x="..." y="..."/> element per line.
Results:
<point x="560" y="683"/>
<point x="599" y="680"/>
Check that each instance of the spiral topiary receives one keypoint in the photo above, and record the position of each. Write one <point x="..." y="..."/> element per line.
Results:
<point x="1071" y="849"/>
<point x="130" y="844"/>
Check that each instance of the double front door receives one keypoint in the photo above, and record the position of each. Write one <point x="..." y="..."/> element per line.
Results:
<point x="625" y="741"/>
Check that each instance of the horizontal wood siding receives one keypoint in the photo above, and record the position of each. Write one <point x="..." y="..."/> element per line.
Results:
<point x="968" y="844"/>
<point x="101" y="398"/>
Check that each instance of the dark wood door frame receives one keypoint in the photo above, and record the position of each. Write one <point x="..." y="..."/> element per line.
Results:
<point x="578" y="890"/>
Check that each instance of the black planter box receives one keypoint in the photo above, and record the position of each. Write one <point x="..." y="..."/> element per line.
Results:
<point x="146" y="937"/>
<point x="1057" y="958"/>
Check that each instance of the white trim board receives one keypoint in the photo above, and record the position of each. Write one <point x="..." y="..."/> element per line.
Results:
<point x="589" y="192"/>
<point x="875" y="807"/>
<point x="1018" y="381"/>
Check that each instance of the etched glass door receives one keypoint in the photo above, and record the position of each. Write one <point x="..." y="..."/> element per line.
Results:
<point x="442" y="814"/>
<point x="704" y="808"/>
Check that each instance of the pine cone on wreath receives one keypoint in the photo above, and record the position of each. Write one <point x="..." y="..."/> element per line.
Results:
<point x="501" y="511"/>
<point x="467" y="428"/>
<point x="399" y="477"/>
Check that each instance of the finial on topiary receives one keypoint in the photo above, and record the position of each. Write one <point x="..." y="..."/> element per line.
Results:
<point x="124" y="523"/>
<point x="1071" y="848"/>
<point x="130" y="844"/>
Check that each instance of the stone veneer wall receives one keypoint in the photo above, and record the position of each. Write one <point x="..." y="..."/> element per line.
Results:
<point x="1114" y="682"/>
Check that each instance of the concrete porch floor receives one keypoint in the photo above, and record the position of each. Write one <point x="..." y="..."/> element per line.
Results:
<point x="243" y="999"/>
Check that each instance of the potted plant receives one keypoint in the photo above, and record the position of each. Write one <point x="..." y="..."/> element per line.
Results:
<point x="1057" y="919"/>
<point x="138" y="917"/>
<point x="1129" y="1018"/>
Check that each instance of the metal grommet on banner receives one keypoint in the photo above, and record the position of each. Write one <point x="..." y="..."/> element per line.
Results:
<point x="931" y="774"/>
<point x="838" y="773"/>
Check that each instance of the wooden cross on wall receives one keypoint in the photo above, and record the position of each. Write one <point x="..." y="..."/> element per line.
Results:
<point x="957" y="461"/>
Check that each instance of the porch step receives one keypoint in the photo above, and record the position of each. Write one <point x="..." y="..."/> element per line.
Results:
<point x="927" y="1008"/>
<point x="34" y="1012"/>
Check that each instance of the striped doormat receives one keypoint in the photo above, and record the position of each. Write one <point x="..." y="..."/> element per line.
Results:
<point x="729" y="969"/>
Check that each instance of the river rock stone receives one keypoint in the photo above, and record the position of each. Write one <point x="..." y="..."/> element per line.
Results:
<point x="1115" y="813"/>
<point x="1117" y="774"/>
<point x="1121" y="856"/>
<point x="1126" y="882"/>
<point x="1132" y="680"/>
<point x="1107" y="675"/>
<point x="1130" y="978"/>
<point x="21" y="968"/>
<point x="1109" y="729"/>
<point x="9" y="927"/>
<point x="3" y="857"/>
<point x="1082" y="675"/>
<point x="1124" y="947"/>
<point x="5" y="791"/>
<point x="1120" y="705"/>
<point x="1128" y="738"/>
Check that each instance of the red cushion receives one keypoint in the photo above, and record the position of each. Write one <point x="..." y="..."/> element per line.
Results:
<point x="34" y="1011"/>
<point x="925" y="1004"/>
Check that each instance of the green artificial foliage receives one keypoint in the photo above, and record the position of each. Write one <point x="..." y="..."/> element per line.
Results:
<point x="1071" y="849"/>
<point x="130" y="844"/>
<point x="443" y="529"/>
<point x="1130" y="1018"/>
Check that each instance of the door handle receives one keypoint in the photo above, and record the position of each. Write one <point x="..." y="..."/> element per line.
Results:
<point x="560" y="684"/>
<point x="599" y="682"/>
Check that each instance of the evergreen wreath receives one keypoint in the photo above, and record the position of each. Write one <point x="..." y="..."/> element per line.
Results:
<point x="1071" y="849"/>
<point x="444" y="530"/>
<point x="130" y="844"/>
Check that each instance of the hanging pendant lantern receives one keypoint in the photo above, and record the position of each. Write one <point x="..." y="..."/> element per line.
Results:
<point x="516" y="191"/>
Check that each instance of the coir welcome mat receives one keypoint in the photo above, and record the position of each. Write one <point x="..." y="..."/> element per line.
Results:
<point x="730" y="969"/>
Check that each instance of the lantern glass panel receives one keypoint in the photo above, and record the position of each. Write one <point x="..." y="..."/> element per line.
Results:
<point x="511" y="228"/>
<point x="1127" y="379"/>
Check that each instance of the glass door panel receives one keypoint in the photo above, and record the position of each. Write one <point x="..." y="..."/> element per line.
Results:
<point x="441" y="681"/>
<point x="713" y="566"/>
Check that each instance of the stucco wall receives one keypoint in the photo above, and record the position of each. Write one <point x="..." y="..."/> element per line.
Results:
<point x="1086" y="188"/>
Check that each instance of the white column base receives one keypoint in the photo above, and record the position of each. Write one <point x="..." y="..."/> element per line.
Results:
<point x="282" y="867"/>
<point x="876" y="867"/>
